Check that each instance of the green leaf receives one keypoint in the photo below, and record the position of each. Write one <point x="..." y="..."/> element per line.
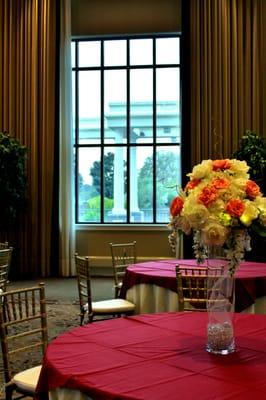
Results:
<point x="259" y="229"/>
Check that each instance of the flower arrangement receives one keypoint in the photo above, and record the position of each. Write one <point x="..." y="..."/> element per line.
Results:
<point x="219" y="205"/>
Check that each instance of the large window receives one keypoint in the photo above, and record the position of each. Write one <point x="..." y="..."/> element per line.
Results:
<point x="127" y="128"/>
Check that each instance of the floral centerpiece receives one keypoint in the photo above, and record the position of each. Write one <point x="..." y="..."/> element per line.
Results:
<point x="219" y="205"/>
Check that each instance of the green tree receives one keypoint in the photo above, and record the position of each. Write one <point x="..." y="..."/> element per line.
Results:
<point x="94" y="206"/>
<point x="95" y="172"/>
<point x="166" y="179"/>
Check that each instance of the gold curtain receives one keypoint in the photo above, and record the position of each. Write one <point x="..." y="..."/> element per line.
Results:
<point x="27" y="112"/>
<point x="227" y="60"/>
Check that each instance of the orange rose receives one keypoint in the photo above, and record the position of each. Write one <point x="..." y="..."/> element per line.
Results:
<point x="192" y="184"/>
<point x="208" y="195"/>
<point x="252" y="189"/>
<point x="221" y="164"/>
<point x="220" y="183"/>
<point x="176" y="206"/>
<point x="235" y="208"/>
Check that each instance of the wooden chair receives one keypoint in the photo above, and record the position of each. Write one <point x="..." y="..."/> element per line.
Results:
<point x="122" y="254"/>
<point x="3" y="277"/>
<point x="5" y="255"/>
<point x="193" y="287"/>
<point x="5" y="261"/>
<point x="23" y="329"/>
<point x="114" y="307"/>
<point x="4" y="245"/>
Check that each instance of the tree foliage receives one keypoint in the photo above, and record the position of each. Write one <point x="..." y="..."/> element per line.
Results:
<point x="166" y="180"/>
<point x="108" y="175"/>
<point x="12" y="178"/>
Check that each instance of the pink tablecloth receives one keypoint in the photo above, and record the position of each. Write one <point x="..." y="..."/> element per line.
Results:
<point x="158" y="357"/>
<point x="250" y="279"/>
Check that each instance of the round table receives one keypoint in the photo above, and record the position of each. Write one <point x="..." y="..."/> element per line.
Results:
<point x="152" y="286"/>
<point x="155" y="356"/>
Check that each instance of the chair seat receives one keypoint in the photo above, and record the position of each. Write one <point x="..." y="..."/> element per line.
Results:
<point x="27" y="380"/>
<point x="113" y="305"/>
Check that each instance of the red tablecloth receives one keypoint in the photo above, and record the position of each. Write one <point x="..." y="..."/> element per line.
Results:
<point x="158" y="357"/>
<point x="250" y="279"/>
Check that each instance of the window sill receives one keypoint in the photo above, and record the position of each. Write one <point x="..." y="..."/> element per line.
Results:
<point x="122" y="227"/>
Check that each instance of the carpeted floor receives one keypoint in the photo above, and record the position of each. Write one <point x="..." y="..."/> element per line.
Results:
<point x="62" y="310"/>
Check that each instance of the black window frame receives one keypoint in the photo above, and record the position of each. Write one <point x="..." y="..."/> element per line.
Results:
<point x="76" y="69"/>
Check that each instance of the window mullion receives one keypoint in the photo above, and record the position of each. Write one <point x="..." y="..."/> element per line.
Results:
<point x="128" y="132"/>
<point x="154" y="131"/>
<point x="76" y="134"/>
<point x="102" y="132"/>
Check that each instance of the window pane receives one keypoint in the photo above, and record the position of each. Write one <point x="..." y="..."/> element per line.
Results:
<point x="141" y="184"/>
<point x="115" y="110"/>
<point x="140" y="51"/>
<point x="73" y="54"/>
<point x="167" y="51"/>
<point x="115" y="52"/>
<point x="89" y="54"/>
<point x="89" y="107"/>
<point x="115" y="184"/>
<point x="89" y="185"/>
<point x="168" y="179"/>
<point x="141" y="105"/>
<point x="168" y="105"/>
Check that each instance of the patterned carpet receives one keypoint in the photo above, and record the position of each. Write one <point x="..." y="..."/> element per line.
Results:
<point x="62" y="310"/>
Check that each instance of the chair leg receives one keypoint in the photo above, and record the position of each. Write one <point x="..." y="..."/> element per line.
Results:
<point x="9" y="392"/>
<point x="82" y="314"/>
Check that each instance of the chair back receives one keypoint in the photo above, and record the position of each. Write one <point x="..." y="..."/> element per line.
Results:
<point x="3" y="277"/>
<point x="122" y="254"/>
<point x="84" y="285"/>
<point x="193" y="286"/>
<point x="4" y="245"/>
<point x="5" y="255"/>
<point x="5" y="261"/>
<point x="23" y="325"/>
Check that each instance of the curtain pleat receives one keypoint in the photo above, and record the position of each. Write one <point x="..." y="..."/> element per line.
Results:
<point x="27" y="112"/>
<point x="66" y="191"/>
<point x="227" y="41"/>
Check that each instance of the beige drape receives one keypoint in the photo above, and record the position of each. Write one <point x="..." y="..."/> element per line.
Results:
<point x="27" y="111"/>
<point x="228" y="80"/>
<point x="66" y="187"/>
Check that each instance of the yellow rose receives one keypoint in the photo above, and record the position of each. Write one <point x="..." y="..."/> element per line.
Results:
<point x="251" y="212"/>
<point x="260" y="203"/>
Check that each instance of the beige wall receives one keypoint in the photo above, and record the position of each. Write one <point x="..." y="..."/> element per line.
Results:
<point x="100" y="17"/>
<point x="151" y="244"/>
<point x="103" y="17"/>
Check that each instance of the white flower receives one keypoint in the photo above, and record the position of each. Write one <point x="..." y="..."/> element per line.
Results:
<point x="240" y="168"/>
<point x="197" y="215"/>
<point x="202" y="170"/>
<point x="214" y="233"/>
<point x="219" y="207"/>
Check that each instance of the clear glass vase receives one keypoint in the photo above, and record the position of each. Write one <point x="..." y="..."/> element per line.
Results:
<point x="220" y="304"/>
